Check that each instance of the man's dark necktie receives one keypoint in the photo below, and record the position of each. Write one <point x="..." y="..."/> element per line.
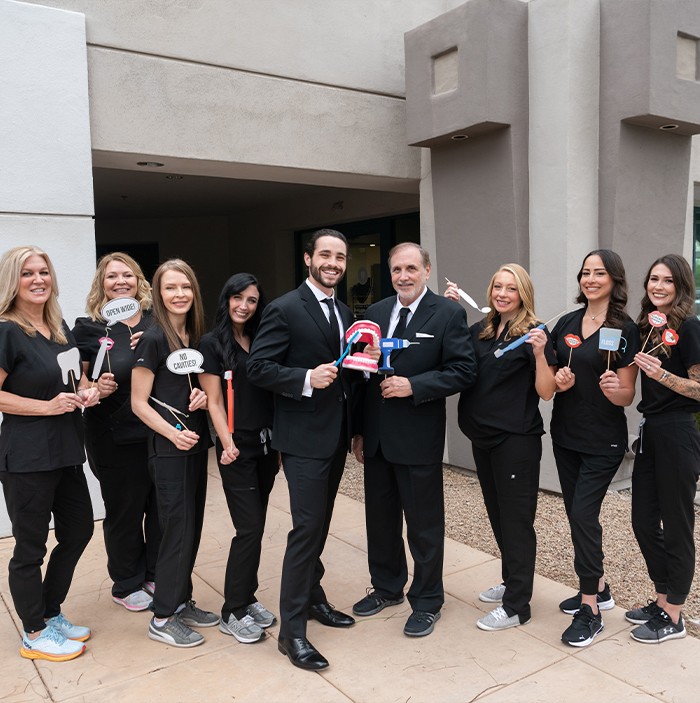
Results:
<point x="401" y="326"/>
<point x="335" y="329"/>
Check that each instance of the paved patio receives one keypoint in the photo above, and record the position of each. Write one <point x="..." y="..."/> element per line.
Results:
<point x="373" y="661"/>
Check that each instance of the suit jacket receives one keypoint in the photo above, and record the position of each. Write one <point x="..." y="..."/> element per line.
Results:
<point x="294" y="335"/>
<point x="412" y="430"/>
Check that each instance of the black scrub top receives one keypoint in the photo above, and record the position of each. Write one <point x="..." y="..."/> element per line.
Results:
<point x="656" y="398"/>
<point x="30" y="442"/>
<point x="583" y="419"/>
<point x="114" y="413"/>
<point x="503" y="400"/>
<point x="173" y="389"/>
<point x="253" y="407"/>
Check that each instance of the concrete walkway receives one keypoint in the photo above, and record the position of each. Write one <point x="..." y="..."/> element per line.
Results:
<point x="373" y="661"/>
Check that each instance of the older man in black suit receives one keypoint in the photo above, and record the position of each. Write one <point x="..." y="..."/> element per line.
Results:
<point x="402" y="440"/>
<point x="300" y="336"/>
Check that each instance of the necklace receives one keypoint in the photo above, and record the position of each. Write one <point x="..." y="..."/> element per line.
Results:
<point x="598" y="314"/>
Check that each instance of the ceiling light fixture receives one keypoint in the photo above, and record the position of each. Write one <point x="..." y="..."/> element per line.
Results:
<point x="174" y="177"/>
<point x="668" y="127"/>
<point x="460" y="137"/>
<point x="149" y="164"/>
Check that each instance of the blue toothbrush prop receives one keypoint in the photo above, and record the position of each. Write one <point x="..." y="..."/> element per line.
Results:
<point x="347" y="349"/>
<point x="500" y="352"/>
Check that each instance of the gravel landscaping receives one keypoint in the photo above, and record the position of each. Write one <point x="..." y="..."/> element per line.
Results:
<point x="466" y="522"/>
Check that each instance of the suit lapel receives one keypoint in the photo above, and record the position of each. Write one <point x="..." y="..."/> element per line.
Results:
<point x="313" y="307"/>
<point x="385" y="315"/>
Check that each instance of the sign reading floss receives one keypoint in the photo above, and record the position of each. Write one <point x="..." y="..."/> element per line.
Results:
<point x="120" y="309"/>
<point x="184" y="361"/>
<point x="609" y="339"/>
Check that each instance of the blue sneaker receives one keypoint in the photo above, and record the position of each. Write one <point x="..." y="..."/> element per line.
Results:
<point x="67" y="629"/>
<point x="51" y="645"/>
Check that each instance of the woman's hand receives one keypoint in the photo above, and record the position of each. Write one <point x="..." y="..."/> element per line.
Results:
<point x="538" y="340"/>
<point x="89" y="396"/>
<point x="64" y="403"/>
<point x="229" y="454"/>
<point x="609" y="384"/>
<point x="135" y="339"/>
<point x="184" y="440"/>
<point x="106" y="385"/>
<point x="198" y="400"/>
<point x="452" y="292"/>
<point x="651" y="365"/>
<point x="565" y="379"/>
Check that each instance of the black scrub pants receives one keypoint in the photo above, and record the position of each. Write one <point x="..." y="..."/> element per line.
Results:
<point x="247" y="484"/>
<point x="181" y="491"/>
<point x="416" y="491"/>
<point x="31" y="499"/>
<point x="585" y="479"/>
<point x="509" y="474"/>
<point x="664" y="482"/>
<point x="131" y="530"/>
<point x="313" y="485"/>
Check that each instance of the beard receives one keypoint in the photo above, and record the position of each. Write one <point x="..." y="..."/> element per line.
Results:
<point x="316" y="273"/>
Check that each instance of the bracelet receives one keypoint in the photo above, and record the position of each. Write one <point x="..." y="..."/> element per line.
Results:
<point x="664" y="375"/>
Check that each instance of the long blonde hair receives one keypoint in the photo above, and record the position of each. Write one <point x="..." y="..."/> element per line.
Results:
<point x="194" y="324"/>
<point x="525" y="318"/>
<point x="97" y="296"/>
<point x="11" y="266"/>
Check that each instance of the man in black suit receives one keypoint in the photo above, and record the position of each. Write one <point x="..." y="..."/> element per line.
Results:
<point x="402" y="422"/>
<point x="300" y="336"/>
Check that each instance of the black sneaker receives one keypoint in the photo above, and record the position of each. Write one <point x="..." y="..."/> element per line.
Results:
<point x="659" y="629"/>
<point x="420" y="623"/>
<point x="584" y="627"/>
<point x="639" y="616"/>
<point x="372" y="603"/>
<point x="605" y="601"/>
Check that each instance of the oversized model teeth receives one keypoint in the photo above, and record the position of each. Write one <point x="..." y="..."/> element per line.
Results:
<point x="369" y="332"/>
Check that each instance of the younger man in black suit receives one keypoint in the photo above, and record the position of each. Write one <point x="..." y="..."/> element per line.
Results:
<point x="403" y="437"/>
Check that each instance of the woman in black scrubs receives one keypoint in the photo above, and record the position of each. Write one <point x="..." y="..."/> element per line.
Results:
<point x="177" y="449"/>
<point x="667" y="462"/>
<point x="500" y="415"/>
<point x="115" y="439"/>
<point x="41" y="452"/>
<point x="247" y="482"/>
<point x="589" y="428"/>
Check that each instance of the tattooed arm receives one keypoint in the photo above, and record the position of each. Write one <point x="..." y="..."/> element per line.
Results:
<point x="689" y="387"/>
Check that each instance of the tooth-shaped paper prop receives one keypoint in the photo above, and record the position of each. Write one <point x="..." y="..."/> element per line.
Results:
<point x="184" y="361"/>
<point x="69" y="361"/>
<point x="369" y="332"/>
<point x="105" y="344"/>
<point x="120" y="309"/>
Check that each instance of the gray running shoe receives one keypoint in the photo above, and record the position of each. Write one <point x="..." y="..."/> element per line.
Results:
<point x="498" y="619"/>
<point x="175" y="633"/>
<point x="639" y="616"/>
<point x="261" y="615"/>
<point x="244" y="630"/>
<point x="659" y="629"/>
<point x="494" y="594"/>
<point x="193" y="616"/>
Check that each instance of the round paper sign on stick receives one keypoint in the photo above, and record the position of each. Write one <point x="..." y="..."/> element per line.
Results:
<point x="670" y="337"/>
<point x="572" y="340"/>
<point x="184" y="361"/>
<point x="657" y="319"/>
<point x="120" y="309"/>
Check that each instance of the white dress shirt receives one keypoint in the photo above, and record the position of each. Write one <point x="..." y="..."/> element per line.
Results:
<point x="394" y="319"/>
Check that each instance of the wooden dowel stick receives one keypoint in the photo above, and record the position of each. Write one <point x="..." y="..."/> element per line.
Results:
<point x="571" y="351"/>
<point x="555" y="317"/>
<point x="178" y="420"/>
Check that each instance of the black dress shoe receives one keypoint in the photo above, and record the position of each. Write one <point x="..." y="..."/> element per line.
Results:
<point x="327" y="615"/>
<point x="302" y="653"/>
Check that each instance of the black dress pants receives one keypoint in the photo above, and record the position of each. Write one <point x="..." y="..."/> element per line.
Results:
<point x="415" y="491"/>
<point x="313" y="485"/>
<point x="585" y="479"/>
<point x="31" y="498"/>
<point x="247" y="484"/>
<point x="131" y="530"/>
<point x="509" y="475"/>
<point x="181" y="490"/>
<point x="664" y="482"/>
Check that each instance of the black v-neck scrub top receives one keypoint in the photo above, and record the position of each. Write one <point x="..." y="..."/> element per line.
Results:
<point x="253" y="407"/>
<point x="173" y="389"/>
<point x="583" y="419"/>
<point x="656" y="398"/>
<point x="503" y="400"/>
<point x="30" y="442"/>
<point x="114" y="412"/>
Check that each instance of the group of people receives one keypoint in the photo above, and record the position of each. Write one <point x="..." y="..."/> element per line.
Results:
<point x="147" y="438"/>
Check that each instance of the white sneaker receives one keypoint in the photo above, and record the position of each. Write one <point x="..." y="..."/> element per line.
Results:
<point x="261" y="615"/>
<point x="136" y="601"/>
<point x="498" y="619"/>
<point x="51" y="645"/>
<point x="494" y="594"/>
<point x="149" y="587"/>
<point x="244" y="630"/>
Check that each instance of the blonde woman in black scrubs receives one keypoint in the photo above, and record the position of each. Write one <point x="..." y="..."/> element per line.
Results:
<point x="589" y="428"/>
<point x="177" y="450"/>
<point x="41" y="453"/>
<point x="115" y="439"/>
<point x="500" y="415"/>
<point x="667" y="462"/>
